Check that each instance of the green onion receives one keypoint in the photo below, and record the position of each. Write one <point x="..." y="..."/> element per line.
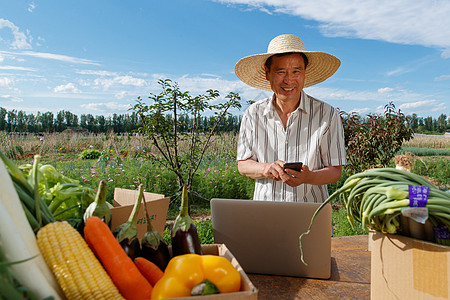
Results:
<point x="376" y="197"/>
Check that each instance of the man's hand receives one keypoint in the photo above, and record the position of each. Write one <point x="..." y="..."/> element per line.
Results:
<point x="273" y="170"/>
<point x="323" y="176"/>
<point x="294" y="178"/>
<point x="255" y="170"/>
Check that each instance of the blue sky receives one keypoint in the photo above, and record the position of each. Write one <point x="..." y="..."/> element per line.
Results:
<point x="98" y="56"/>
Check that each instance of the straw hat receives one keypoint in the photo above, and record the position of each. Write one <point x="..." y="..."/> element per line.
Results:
<point x="320" y="66"/>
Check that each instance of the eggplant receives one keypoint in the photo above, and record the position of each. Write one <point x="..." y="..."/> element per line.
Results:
<point x="153" y="246"/>
<point x="126" y="233"/>
<point x="184" y="234"/>
<point x="99" y="208"/>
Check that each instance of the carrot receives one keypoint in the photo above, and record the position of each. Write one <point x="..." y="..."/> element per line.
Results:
<point x="124" y="273"/>
<point x="150" y="270"/>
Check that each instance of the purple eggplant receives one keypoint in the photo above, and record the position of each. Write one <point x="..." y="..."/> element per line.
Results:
<point x="153" y="246"/>
<point x="126" y="233"/>
<point x="184" y="234"/>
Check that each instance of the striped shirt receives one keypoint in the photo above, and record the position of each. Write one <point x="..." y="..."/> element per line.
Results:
<point x="314" y="135"/>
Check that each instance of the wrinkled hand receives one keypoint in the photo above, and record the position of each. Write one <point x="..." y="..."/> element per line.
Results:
<point x="274" y="170"/>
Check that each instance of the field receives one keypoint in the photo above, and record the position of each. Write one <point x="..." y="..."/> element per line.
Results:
<point x="126" y="160"/>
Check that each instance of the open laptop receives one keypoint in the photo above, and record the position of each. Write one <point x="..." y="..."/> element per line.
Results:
<point x="264" y="236"/>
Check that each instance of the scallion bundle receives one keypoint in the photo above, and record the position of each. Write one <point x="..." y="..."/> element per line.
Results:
<point x="378" y="198"/>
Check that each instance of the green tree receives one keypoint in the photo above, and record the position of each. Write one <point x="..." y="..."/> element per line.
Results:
<point x="12" y="120"/>
<point x="90" y="122"/>
<point x="46" y="121"/>
<point x="101" y="121"/>
<point x="181" y="151"/>
<point x="3" y="113"/>
<point x="374" y="140"/>
<point x="441" y="123"/>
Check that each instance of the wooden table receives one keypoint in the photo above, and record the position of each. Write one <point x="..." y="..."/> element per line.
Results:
<point x="350" y="276"/>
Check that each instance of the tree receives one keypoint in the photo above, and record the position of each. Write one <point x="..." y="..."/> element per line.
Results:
<point x="414" y="121"/>
<point x="83" y="121"/>
<point x="3" y="113"/>
<point x="101" y="121"/>
<point x="90" y="122"/>
<point x="181" y="151"/>
<point x="21" y="121"/>
<point x="12" y="120"/>
<point x="374" y="140"/>
<point x="441" y="123"/>
<point x="46" y="121"/>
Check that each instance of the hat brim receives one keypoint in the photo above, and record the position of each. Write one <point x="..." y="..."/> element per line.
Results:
<point x="320" y="66"/>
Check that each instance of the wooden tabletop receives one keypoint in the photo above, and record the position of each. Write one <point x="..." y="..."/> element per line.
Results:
<point x="350" y="276"/>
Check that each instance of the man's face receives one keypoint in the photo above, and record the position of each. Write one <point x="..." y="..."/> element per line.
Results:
<point x="287" y="77"/>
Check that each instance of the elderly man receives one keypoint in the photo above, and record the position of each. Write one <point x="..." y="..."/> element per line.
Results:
<point x="290" y="126"/>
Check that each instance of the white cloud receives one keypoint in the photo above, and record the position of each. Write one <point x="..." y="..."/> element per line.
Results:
<point x="98" y="73"/>
<point x="106" y="107"/>
<point x="412" y="22"/>
<point x="67" y="88"/>
<point x="129" y="80"/>
<point x="343" y="94"/>
<point x="361" y="111"/>
<point x="58" y="57"/>
<point x="121" y="95"/>
<point x="11" y="98"/>
<point x="15" y="68"/>
<point x="107" y="83"/>
<point x="442" y="77"/>
<point x="31" y="7"/>
<point x="5" y="82"/>
<point x="385" y="90"/>
<point x="425" y="105"/>
<point x="20" y="39"/>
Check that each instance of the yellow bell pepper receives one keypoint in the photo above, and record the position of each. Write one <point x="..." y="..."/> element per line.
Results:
<point x="184" y="272"/>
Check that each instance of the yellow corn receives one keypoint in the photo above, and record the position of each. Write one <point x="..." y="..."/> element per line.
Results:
<point x="79" y="273"/>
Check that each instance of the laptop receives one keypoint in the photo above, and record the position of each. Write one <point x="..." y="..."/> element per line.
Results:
<point x="264" y="236"/>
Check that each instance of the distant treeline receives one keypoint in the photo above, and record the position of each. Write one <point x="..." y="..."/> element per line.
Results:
<point x="20" y="122"/>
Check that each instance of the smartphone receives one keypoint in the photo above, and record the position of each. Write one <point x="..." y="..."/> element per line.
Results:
<point x="297" y="166"/>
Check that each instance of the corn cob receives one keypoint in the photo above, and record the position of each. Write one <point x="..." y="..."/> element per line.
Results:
<point x="79" y="273"/>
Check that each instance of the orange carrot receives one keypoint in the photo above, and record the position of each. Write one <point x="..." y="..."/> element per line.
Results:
<point x="150" y="270"/>
<point x="124" y="273"/>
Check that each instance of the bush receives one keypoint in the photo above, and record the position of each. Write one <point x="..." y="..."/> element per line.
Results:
<point x="375" y="140"/>
<point x="90" y="154"/>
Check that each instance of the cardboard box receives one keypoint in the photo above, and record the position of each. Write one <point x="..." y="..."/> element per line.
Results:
<point x="157" y="206"/>
<point x="248" y="290"/>
<point x="408" y="268"/>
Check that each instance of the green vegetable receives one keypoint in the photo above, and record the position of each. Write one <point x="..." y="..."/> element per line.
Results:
<point x="99" y="208"/>
<point x="376" y="197"/>
<point x="37" y="212"/>
<point x="66" y="198"/>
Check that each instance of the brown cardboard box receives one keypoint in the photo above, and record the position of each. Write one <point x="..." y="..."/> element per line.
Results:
<point x="408" y="268"/>
<point x="248" y="290"/>
<point x="157" y="206"/>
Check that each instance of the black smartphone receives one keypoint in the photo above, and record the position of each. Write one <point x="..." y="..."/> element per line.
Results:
<point x="297" y="166"/>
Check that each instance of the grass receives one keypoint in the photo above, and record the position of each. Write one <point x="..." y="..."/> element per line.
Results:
<point x="425" y="151"/>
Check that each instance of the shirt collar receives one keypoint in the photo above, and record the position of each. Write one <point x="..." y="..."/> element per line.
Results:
<point x="303" y="105"/>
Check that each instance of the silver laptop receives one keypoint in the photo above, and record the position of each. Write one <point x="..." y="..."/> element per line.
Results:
<point x="264" y="236"/>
